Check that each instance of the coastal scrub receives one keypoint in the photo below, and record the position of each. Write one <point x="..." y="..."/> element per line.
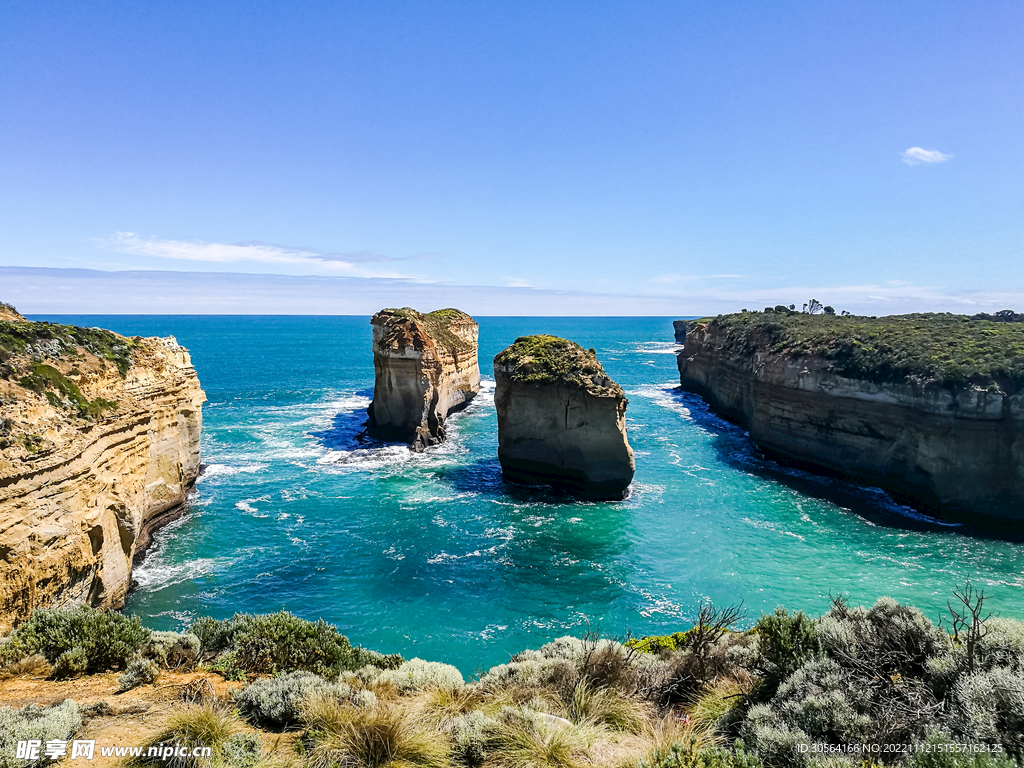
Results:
<point x="930" y="348"/>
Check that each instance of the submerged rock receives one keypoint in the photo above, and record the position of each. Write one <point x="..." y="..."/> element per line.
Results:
<point x="561" y="419"/>
<point x="425" y="367"/>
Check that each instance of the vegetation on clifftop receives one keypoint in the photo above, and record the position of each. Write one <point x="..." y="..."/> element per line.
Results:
<point x="436" y="324"/>
<point x="920" y="349"/>
<point x="792" y="691"/>
<point x="544" y="359"/>
<point x="61" y="342"/>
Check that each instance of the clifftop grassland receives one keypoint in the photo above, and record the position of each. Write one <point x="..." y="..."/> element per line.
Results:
<point x="791" y="692"/>
<point x="544" y="359"/>
<point x="921" y="349"/>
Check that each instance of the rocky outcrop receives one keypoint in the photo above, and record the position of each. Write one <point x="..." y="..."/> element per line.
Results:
<point x="561" y="419"/>
<point x="679" y="328"/>
<point x="425" y="367"/>
<point x="953" y="451"/>
<point x="99" y="444"/>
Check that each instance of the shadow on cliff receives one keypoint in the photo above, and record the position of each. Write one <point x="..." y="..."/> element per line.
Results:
<point x="736" y="449"/>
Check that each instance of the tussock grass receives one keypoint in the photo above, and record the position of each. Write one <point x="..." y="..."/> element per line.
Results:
<point x="710" y="709"/>
<point x="35" y="665"/>
<point x="606" y="706"/>
<point x="197" y="725"/>
<point x="524" y="741"/>
<point x="384" y="736"/>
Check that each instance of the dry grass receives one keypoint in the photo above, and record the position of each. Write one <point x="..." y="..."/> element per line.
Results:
<point x="606" y="706"/>
<point x="384" y="736"/>
<point x="708" y="711"/>
<point x="35" y="665"/>
<point x="440" y="707"/>
<point x="522" y="741"/>
<point x="196" y="725"/>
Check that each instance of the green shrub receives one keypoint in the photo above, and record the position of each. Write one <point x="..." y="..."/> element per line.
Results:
<point x="59" y="722"/>
<point x="139" y="672"/>
<point x="276" y="702"/>
<point x="72" y="663"/>
<point x="786" y="642"/>
<point x="656" y="644"/>
<point x="82" y="640"/>
<point x="418" y="675"/>
<point x="282" y="642"/>
<point x="689" y="756"/>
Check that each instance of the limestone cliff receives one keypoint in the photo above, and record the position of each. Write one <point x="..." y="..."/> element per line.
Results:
<point x="928" y="407"/>
<point x="561" y="419"/>
<point x="425" y="367"/>
<point x="99" y="443"/>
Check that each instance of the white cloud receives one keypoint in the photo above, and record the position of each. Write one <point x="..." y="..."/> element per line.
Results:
<point x="517" y="282"/>
<point x="917" y="155"/>
<point x="228" y="253"/>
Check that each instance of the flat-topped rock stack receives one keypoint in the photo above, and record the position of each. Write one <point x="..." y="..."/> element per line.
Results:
<point x="561" y="419"/>
<point x="425" y="367"/>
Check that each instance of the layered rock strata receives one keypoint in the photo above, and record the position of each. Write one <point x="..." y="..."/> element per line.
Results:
<point x="425" y="367"/>
<point x="99" y="444"/>
<point x="561" y="419"/>
<point x="952" y="450"/>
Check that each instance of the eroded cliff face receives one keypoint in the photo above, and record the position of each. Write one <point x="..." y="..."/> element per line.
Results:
<point x="425" y="367"/>
<point x="90" y="462"/>
<point x="951" y="452"/>
<point x="561" y="419"/>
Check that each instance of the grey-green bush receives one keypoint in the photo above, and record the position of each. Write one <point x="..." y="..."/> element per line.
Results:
<point x="173" y="650"/>
<point x="471" y="735"/>
<point x="275" y="702"/>
<point x="61" y="722"/>
<point x="822" y="700"/>
<point x="418" y="675"/>
<point x="990" y="708"/>
<point x="139" y="672"/>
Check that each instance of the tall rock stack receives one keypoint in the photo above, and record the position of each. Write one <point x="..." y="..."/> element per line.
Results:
<point x="99" y="444"/>
<point x="561" y="419"/>
<point x="425" y="367"/>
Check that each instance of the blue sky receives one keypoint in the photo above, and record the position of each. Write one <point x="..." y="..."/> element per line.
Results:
<point x="666" y="158"/>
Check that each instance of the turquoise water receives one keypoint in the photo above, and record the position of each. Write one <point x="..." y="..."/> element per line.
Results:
<point x="432" y="555"/>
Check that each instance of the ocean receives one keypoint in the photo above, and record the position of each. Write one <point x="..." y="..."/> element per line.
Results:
<point x="433" y="555"/>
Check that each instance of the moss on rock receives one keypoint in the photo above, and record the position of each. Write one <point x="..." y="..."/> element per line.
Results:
<point x="544" y="359"/>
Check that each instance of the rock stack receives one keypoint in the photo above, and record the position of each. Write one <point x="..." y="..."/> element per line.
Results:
<point x="561" y="419"/>
<point x="425" y="367"/>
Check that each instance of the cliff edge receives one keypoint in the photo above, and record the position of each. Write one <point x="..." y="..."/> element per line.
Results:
<point x="425" y="367"/>
<point x="561" y="419"/>
<point x="929" y="407"/>
<point x="99" y="444"/>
